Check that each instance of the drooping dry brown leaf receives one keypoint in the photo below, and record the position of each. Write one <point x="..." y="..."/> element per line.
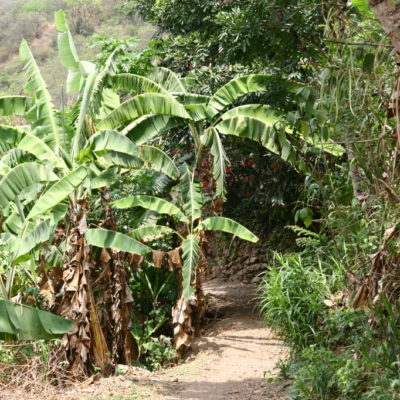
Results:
<point x="158" y="257"/>
<point x="174" y="259"/>
<point x="382" y="277"/>
<point x="115" y="299"/>
<point x="134" y="259"/>
<point x="75" y="299"/>
<point x="217" y="206"/>
<point x="361" y="299"/>
<point x="182" y="321"/>
<point x="105" y="256"/>
<point x="99" y="344"/>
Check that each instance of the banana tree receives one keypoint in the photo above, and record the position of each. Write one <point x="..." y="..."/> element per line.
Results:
<point x="189" y="259"/>
<point x="207" y="119"/>
<point x="211" y="117"/>
<point x="50" y="167"/>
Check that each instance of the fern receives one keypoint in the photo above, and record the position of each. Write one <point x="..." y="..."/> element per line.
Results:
<point x="309" y="239"/>
<point x="303" y="231"/>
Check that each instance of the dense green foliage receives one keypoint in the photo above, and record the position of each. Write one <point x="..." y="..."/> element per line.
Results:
<point x="282" y="109"/>
<point x="252" y="33"/>
<point x="347" y="203"/>
<point x="338" y="352"/>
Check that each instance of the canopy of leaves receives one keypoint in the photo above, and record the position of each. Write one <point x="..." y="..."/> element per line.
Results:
<point x="277" y="32"/>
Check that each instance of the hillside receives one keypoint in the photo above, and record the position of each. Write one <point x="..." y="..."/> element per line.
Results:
<point x="33" y="20"/>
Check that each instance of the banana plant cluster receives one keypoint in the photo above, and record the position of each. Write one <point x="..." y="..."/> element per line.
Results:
<point x="188" y="212"/>
<point x="50" y="166"/>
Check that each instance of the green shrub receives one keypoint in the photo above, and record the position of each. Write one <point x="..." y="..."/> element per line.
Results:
<point x="336" y="354"/>
<point x="161" y="353"/>
<point x="321" y="374"/>
<point x="292" y="296"/>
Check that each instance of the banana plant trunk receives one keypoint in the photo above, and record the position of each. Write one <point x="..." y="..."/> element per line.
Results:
<point x="85" y="345"/>
<point x="116" y="297"/>
<point x="188" y="314"/>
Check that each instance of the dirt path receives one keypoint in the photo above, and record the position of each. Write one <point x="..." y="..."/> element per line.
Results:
<point x="234" y="356"/>
<point x="231" y="360"/>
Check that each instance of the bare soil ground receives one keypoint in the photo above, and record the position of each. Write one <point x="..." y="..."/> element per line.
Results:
<point x="231" y="360"/>
<point x="235" y="355"/>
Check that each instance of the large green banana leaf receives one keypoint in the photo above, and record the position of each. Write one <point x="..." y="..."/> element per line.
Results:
<point x="260" y="111"/>
<point x="13" y="223"/>
<point x="192" y="197"/>
<point x="21" y="177"/>
<point x="252" y="128"/>
<point x="149" y="232"/>
<point x="196" y="106"/>
<point x="67" y="53"/>
<point x="144" y="104"/>
<point x="116" y="158"/>
<point x="156" y="160"/>
<point x="36" y="146"/>
<point x="236" y="88"/>
<point x="39" y="234"/>
<point x="13" y="157"/>
<point x="252" y="121"/>
<point x="135" y="83"/>
<point x="105" y="141"/>
<point x="81" y="128"/>
<point x="191" y="256"/>
<point x="192" y="98"/>
<point x="152" y="203"/>
<point x="43" y="112"/>
<point x="103" y="178"/>
<point x="30" y="193"/>
<point x="227" y="225"/>
<point x="21" y="322"/>
<point x="219" y="164"/>
<point x="77" y="69"/>
<point x="167" y="79"/>
<point x="104" y="102"/>
<point x="58" y="192"/>
<point x="146" y="127"/>
<point x="257" y="122"/>
<point x="4" y="169"/>
<point x="200" y="112"/>
<point x="103" y="99"/>
<point x="115" y="240"/>
<point x="189" y="83"/>
<point x="13" y="105"/>
<point x="9" y="137"/>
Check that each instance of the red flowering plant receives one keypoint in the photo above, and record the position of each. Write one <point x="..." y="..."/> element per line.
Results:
<point x="266" y="190"/>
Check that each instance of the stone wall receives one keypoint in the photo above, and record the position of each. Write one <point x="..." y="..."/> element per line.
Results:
<point x="236" y="260"/>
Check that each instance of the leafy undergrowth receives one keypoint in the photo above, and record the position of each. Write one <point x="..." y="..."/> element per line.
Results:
<point x="336" y="351"/>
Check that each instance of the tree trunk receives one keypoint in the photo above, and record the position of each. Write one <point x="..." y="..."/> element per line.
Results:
<point x="85" y="345"/>
<point x="388" y="14"/>
<point x="188" y="315"/>
<point x="117" y="297"/>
